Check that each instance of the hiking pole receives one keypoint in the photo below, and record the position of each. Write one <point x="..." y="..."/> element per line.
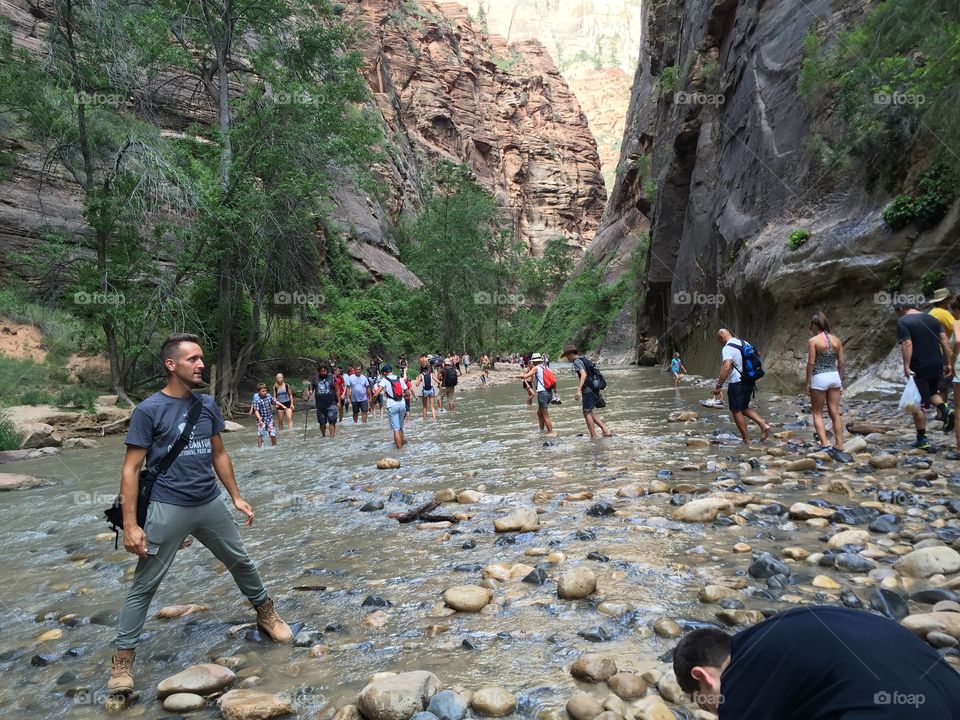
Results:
<point x="306" y="417"/>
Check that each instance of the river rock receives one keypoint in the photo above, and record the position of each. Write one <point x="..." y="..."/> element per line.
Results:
<point x="583" y="706"/>
<point x="39" y="435"/>
<point x="825" y="583"/>
<point x="448" y="705"/>
<point x="703" y="510"/>
<point x="398" y="697"/>
<point x="715" y="593"/>
<point x="493" y="701"/>
<point x="175" y="611"/>
<point x="576" y="583"/>
<point x="849" y="537"/>
<point x="929" y="561"/>
<point x="884" y="461"/>
<point x="682" y="416"/>
<point x="854" y="444"/>
<point x="593" y="667"/>
<point x="667" y="628"/>
<point x="388" y="464"/>
<point x="184" y="702"/>
<point x="18" y="481"/>
<point x="941" y="640"/>
<point x="243" y="704"/>
<point x="348" y="712"/>
<point x="942" y="622"/>
<point x="469" y="496"/>
<point x="889" y="603"/>
<point x="807" y="463"/>
<point x="805" y="511"/>
<point x="614" y="608"/>
<point x="767" y="565"/>
<point x="467" y="598"/>
<point x="444" y="496"/>
<point x="627" y="685"/>
<point x="231" y="426"/>
<point x="652" y="708"/>
<point x="202" y="679"/>
<point x="520" y="520"/>
<point x="670" y="690"/>
<point x="851" y="562"/>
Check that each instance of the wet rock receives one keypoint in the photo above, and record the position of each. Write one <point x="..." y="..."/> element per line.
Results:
<point x="667" y="628"/>
<point x="520" y="520"/>
<point x="652" y="708"/>
<point x="850" y="599"/>
<point x="348" y="712"/>
<point x="593" y="667"/>
<point x="849" y="537"/>
<point x="372" y="506"/>
<point x="715" y="593"/>
<point x="585" y="535"/>
<point x="448" y="705"/>
<point x="599" y="557"/>
<point x="378" y="618"/>
<point x="855" y="515"/>
<point x="184" y="702"/>
<point x="852" y="562"/>
<point x="493" y="701"/>
<point x="614" y="608"/>
<point x="889" y="603"/>
<point x="885" y="524"/>
<point x="506" y="572"/>
<point x="854" y="444"/>
<point x="682" y="416"/>
<point x="244" y="704"/>
<point x="627" y="685"/>
<point x="39" y="435"/>
<point x="670" y="690"/>
<point x="807" y="463"/>
<point x="583" y="706"/>
<point x="767" y="565"/>
<point x="576" y="583"/>
<point x="601" y="510"/>
<point x="736" y="618"/>
<point x="596" y="634"/>
<point x="202" y="679"/>
<point x="825" y="583"/>
<point x="388" y="464"/>
<point x="375" y="601"/>
<point x="444" y="496"/>
<point x="467" y="598"/>
<point x="942" y="622"/>
<point x="469" y="496"/>
<point x="884" y="461"/>
<point x="796" y="553"/>
<point x="805" y="511"/>
<point x="935" y="595"/>
<point x="536" y="577"/>
<point x="50" y="635"/>
<point x="703" y="510"/>
<point x="18" y="481"/>
<point x="424" y="715"/>
<point x="43" y="659"/>
<point x="398" y="697"/>
<point x="468" y="567"/>
<point x="941" y="640"/>
<point x="947" y="606"/>
<point x="175" y="611"/>
<point x="929" y="561"/>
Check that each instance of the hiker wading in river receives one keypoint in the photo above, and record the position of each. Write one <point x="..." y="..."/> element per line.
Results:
<point x="583" y="368"/>
<point x="185" y="501"/>
<point x="537" y="374"/>
<point x="739" y="389"/>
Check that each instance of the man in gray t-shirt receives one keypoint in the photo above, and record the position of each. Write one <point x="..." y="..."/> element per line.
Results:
<point x="185" y="501"/>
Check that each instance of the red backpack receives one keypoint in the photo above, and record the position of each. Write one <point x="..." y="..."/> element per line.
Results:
<point x="396" y="387"/>
<point x="549" y="379"/>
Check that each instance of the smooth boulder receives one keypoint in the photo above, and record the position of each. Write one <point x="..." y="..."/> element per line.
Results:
<point x="244" y="704"/>
<point x="398" y="697"/>
<point x="929" y="561"/>
<point x="576" y="583"/>
<point x="520" y="520"/>
<point x="493" y="701"/>
<point x="467" y="598"/>
<point x="593" y="667"/>
<point x="202" y="679"/>
<point x="703" y="510"/>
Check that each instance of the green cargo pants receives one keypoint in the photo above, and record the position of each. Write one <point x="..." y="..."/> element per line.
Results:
<point x="166" y="527"/>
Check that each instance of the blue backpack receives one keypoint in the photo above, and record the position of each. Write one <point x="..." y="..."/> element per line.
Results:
<point x="751" y="368"/>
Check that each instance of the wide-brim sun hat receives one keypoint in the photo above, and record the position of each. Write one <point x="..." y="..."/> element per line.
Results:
<point x="939" y="296"/>
<point x="568" y="350"/>
<point x="536" y="357"/>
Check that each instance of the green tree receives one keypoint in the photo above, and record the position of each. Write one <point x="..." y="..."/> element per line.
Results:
<point x="294" y="128"/>
<point x="557" y="262"/>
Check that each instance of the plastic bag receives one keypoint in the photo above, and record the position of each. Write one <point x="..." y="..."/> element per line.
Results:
<point x="910" y="400"/>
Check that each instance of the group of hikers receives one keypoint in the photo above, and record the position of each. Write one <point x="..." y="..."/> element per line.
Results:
<point x="793" y="666"/>
<point x="929" y="342"/>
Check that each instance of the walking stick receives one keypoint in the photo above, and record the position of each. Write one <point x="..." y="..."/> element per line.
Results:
<point x="306" y="416"/>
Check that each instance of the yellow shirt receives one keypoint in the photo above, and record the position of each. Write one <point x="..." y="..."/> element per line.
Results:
<point x="945" y="318"/>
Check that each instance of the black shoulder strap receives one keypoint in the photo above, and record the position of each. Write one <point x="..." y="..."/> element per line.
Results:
<point x="192" y="416"/>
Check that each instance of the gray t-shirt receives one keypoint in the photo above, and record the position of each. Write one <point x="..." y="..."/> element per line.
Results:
<point x="578" y="366"/>
<point x="156" y="424"/>
<point x="358" y="387"/>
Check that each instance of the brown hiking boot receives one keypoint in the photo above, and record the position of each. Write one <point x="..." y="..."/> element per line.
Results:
<point x="270" y="622"/>
<point x="121" y="674"/>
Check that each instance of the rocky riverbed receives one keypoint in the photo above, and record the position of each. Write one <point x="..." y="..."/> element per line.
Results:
<point x="553" y="590"/>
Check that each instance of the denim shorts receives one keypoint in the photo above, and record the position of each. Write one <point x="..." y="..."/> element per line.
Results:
<point x="429" y="393"/>
<point x="397" y="412"/>
<point x="543" y="399"/>
<point x="329" y="414"/>
<point x="589" y="399"/>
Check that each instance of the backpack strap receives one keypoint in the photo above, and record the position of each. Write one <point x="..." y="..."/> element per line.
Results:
<point x="740" y="348"/>
<point x="192" y="416"/>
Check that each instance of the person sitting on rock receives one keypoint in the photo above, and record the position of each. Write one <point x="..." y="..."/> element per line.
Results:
<point x="817" y="663"/>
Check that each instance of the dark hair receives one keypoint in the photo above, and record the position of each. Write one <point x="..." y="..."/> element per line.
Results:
<point x="168" y="351"/>
<point x="261" y="386"/>
<point x="820" y="322"/>
<point x="704" y="647"/>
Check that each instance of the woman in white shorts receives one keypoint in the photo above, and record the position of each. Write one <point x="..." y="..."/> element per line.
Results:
<point x="825" y="371"/>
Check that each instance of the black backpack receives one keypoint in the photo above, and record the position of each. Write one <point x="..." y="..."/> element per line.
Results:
<point x="595" y="378"/>
<point x="427" y="379"/>
<point x="450" y="378"/>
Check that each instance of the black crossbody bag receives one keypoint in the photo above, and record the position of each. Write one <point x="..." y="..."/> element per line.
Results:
<point x="114" y="514"/>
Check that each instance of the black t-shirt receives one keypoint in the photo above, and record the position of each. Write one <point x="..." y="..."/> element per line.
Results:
<point x="830" y="663"/>
<point x="924" y="330"/>
<point x="324" y="391"/>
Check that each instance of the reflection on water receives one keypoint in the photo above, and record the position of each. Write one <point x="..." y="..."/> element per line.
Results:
<point x="306" y="494"/>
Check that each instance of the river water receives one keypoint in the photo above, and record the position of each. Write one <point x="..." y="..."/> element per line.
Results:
<point x="309" y="531"/>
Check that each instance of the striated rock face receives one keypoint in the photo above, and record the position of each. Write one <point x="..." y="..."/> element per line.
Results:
<point x="724" y="177"/>
<point x="595" y="44"/>
<point x="448" y="91"/>
<point x="444" y="91"/>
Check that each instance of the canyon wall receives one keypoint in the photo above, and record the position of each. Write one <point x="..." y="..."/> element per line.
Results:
<point x="718" y="161"/>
